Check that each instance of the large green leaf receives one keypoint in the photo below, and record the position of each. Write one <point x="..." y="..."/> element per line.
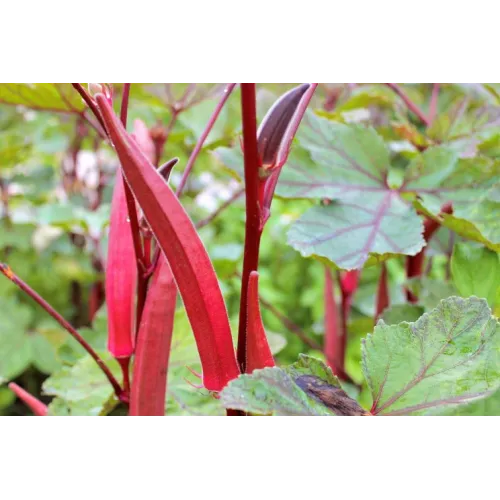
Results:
<point x="16" y="352"/>
<point x="476" y="271"/>
<point x="350" y="164"/>
<point x="350" y="235"/>
<point x="438" y="176"/>
<point x="489" y="406"/>
<point x="480" y="220"/>
<point x="307" y="387"/>
<point x="462" y="124"/>
<point x="42" y="96"/>
<point x="448" y="357"/>
<point x="402" y="312"/>
<point x="82" y="389"/>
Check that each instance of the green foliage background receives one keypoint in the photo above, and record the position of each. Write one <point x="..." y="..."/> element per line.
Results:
<point x="54" y="221"/>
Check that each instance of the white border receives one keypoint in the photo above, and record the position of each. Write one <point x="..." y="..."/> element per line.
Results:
<point x="262" y="40"/>
<point x="249" y="458"/>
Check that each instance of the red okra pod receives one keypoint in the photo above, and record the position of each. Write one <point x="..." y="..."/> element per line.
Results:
<point x="185" y="252"/>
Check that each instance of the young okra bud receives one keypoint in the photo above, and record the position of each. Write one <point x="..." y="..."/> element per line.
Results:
<point x="271" y="136"/>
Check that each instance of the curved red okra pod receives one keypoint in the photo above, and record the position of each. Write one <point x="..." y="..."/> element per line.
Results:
<point x="258" y="351"/>
<point x="186" y="255"/>
<point x="149" y="381"/>
<point x="121" y="276"/>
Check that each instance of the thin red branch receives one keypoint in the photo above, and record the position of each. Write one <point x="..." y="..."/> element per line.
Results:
<point x="253" y="216"/>
<point x="290" y="325"/>
<point x="124" y="104"/>
<point x="90" y="103"/>
<point x="433" y="103"/>
<point x="227" y="92"/>
<point x="219" y="210"/>
<point x="8" y="273"/>
<point x="409" y="103"/>
<point x="335" y="326"/>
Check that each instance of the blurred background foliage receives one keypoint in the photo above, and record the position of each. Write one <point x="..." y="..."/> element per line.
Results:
<point x="56" y="176"/>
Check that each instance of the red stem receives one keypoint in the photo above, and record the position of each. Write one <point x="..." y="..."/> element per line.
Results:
<point x="415" y="263"/>
<point x="8" y="273"/>
<point x="227" y="92"/>
<point x="383" y="300"/>
<point x="333" y="333"/>
<point x="252" y="223"/>
<point x="348" y="286"/>
<point x="409" y="103"/>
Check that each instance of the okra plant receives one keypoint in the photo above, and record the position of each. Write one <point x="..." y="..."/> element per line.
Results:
<point x="347" y="263"/>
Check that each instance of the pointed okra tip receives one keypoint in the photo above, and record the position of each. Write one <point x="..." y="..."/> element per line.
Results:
<point x="272" y="134"/>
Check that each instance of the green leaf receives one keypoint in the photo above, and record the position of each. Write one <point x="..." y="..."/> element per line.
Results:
<point x="448" y="357"/>
<point x="476" y="271"/>
<point x="438" y="176"/>
<point x="18" y="237"/>
<point x="308" y="365"/>
<point x="15" y="347"/>
<point x="349" y="235"/>
<point x="480" y="221"/>
<point x="402" y="312"/>
<point x="346" y="160"/>
<point x="462" y="125"/>
<point x="308" y="387"/>
<point x="488" y="406"/>
<point x="42" y="96"/>
<point x="350" y="164"/>
<point x="270" y="391"/>
<point x="7" y="397"/>
<point x="82" y="389"/>
<point x="431" y="291"/>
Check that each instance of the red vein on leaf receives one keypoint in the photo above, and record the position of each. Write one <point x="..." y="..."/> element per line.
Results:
<point x="352" y="163"/>
<point x="422" y="374"/>
<point x="465" y="398"/>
